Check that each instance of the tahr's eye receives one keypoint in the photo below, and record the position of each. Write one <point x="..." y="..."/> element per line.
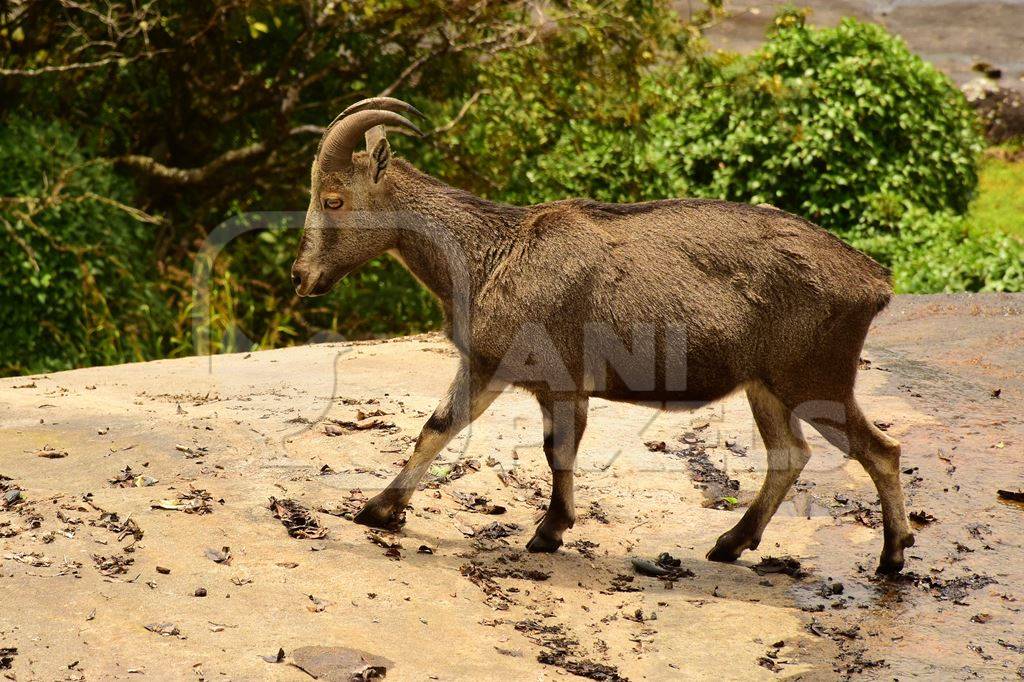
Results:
<point x="332" y="203"/>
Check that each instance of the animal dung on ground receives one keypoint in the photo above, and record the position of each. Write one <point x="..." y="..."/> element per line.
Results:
<point x="339" y="663"/>
<point x="298" y="520"/>
<point x="784" y="564"/>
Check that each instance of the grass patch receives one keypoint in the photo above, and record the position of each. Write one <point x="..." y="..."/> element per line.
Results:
<point x="999" y="205"/>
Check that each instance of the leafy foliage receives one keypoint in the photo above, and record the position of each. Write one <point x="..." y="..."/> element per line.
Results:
<point x="936" y="252"/>
<point x="824" y="123"/>
<point x="214" y="109"/>
<point x="79" y="287"/>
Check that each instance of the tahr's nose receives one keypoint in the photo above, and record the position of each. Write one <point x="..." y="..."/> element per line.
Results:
<point x="299" y="276"/>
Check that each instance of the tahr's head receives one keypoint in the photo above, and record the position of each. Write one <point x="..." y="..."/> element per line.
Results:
<point x="348" y="221"/>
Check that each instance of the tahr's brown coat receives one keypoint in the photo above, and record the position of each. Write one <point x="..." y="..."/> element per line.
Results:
<point x="679" y="301"/>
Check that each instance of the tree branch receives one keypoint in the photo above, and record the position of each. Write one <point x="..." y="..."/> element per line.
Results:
<point x="459" y="116"/>
<point x="117" y="59"/>
<point x="199" y="175"/>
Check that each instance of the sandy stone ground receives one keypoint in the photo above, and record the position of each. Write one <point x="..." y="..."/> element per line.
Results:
<point x="100" y="567"/>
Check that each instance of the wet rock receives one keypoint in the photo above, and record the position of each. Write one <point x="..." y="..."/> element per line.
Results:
<point x="10" y="498"/>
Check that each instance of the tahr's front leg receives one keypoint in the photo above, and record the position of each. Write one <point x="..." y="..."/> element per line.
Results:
<point x="468" y="396"/>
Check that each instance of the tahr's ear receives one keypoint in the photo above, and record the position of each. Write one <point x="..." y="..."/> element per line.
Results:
<point x="380" y="152"/>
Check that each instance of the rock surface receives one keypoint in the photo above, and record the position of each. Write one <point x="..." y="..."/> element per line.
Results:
<point x="99" y="565"/>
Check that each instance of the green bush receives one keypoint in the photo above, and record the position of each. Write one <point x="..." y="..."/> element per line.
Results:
<point x="936" y="252"/>
<point x="826" y="123"/>
<point x="76" y="264"/>
<point x="615" y="101"/>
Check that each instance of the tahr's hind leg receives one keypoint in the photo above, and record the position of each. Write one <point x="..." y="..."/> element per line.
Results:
<point x="564" y="423"/>
<point x="787" y="455"/>
<point x="880" y="456"/>
<point x="850" y="431"/>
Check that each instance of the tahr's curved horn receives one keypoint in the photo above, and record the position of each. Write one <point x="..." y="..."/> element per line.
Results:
<point x="381" y="103"/>
<point x="344" y="136"/>
<point x="384" y="104"/>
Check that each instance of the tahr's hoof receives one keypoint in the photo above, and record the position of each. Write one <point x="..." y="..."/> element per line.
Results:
<point x="542" y="543"/>
<point x="377" y="516"/>
<point x="727" y="548"/>
<point x="891" y="561"/>
<point x="889" y="566"/>
<point x="723" y="554"/>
